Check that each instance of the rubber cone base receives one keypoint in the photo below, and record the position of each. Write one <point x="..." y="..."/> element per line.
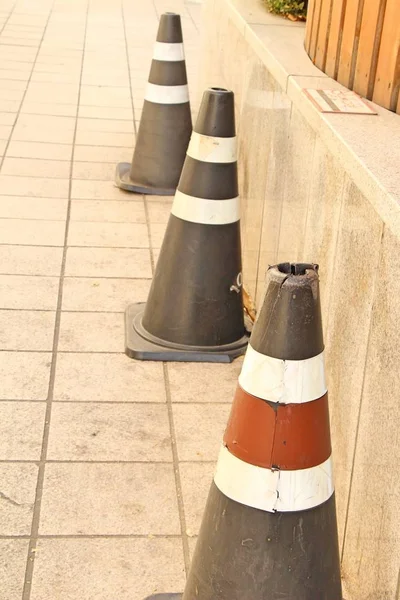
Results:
<point x="124" y="182"/>
<point x="140" y="344"/>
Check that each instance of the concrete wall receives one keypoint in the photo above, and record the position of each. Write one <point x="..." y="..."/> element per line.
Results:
<point x="314" y="189"/>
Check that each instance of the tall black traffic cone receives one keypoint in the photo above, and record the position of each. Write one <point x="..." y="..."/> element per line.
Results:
<point x="166" y="122"/>
<point x="269" y="529"/>
<point x="194" y="311"/>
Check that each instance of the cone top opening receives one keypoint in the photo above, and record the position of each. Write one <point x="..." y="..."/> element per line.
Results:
<point x="296" y="268"/>
<point x="289" y="326"/>
<point x="170" y="29"/>
<point x="218" y="89"/>
<point x="217" y="113"/>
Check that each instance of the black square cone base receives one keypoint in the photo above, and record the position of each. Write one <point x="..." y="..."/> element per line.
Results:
<point x="141" y="345"/>
<point x="124" y="182"/>
<point x="164" y="597"/>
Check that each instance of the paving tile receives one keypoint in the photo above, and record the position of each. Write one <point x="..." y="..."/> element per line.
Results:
<point x="26" y="330"/>
<point x="13" y="555"/>
<point x="107" y="378"/>
<point x="112" y="125"/>
<point x="111" y="235"/>
<point x="96" y="154"/>
<point x="30" y="260"/>
<point x="9" y="105"/>
<point x="39" y="150"/>
<point x="91" y="170"/>
<point x="114" y="211"/>
<point x="92" y="95"/>
<point x="21" y="430"/>
<point x="34" y="186"/>
<point x="32" y="232"/>
<point x="63" y="93"/>
<point x="18" y="486"/>
<point x="199" y="429"/>
<point x="104" y="138"/>
<point x="22" y="207"/>
<point x="106" y="569"/>
<point x="116" y="499"/>
<point x="48" y="108"/>
<point x="3" y="146"/>
<point x="56" y="64"/>
<point x="196" y="479"/>
<point x="159" y="211"/>
<point x="11" y="84"/>
<point x="33" y="385"/>
<point x="17" y="291"/>
<point x="5" y="132"/>
<point x="49" y="129"/>
<point x="92" y="332"/>
<point x="21" y="42"/>
<point x="36" y="168"/>
<point x="13" y="95"/>
<point x="157" y="231"/>
<point x="70" y="76"/>
<point x="15" y="66"/>
<point x="105" y="112"/>
<point x="99" y="190"/>
<point x="112" y="432"/>
<point x="108" y="262"/>
<point x="89" y="294"/>
<point x="203" y="382"/>
<point x="17" y="74"/>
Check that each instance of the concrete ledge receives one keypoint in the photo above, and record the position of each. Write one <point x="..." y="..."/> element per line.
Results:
<point x="368" y="147"/>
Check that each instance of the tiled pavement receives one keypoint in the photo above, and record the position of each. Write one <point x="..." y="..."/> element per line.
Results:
<point x="104" y="462"/>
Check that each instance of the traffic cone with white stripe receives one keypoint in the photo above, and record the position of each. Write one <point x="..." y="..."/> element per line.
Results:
<point x="166" y="122"/>
<point x="194" y="311"/>
<point x="269" y="530"/>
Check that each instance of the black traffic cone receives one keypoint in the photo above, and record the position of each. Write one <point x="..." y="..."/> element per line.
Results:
<point x="194" y="311"/>
<point x="166" y="122"/>
<point x="269" y="529"/>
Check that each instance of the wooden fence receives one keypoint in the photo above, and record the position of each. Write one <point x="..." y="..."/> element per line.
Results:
<point x="357" y="42"/>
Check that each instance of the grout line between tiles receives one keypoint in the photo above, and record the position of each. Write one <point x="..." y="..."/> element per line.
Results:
<point x="93" y="536"/>
<point x="178" y="485"/>
<point x="71" y="276"/>
<point x="8" y="18"/>
<point x="123" y="402"/>
<point x="40" y="482"/>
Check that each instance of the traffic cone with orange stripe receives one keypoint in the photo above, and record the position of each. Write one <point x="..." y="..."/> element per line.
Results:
<point x="166" y="122"/>
<point x="269" y="529"/>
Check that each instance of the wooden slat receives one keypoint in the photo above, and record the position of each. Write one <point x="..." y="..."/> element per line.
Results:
<point x="387" y="70"/>
<point x="315" y="28"/>
<point x="357" y="42"/>
<point x="322" y="41"/>
<point x="347" y="42"/>
<point x="366" y="45"/>
<point x="309" y="25"/>
<point x="334" y="31"/>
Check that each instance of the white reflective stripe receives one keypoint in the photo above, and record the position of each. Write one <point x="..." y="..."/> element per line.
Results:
<point x="207" y="212"/>
<point x="167" y="94"/>
<point x="273" y="491"/>
<point x="283" y="381"/>
<point x="212" y="149"/>
<point x="169" y="52"/>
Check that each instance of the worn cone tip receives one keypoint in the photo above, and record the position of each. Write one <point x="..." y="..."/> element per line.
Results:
<point x="217" y="113"/>
<point x="289" y="326"/>
<point x="170" y="28"/>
